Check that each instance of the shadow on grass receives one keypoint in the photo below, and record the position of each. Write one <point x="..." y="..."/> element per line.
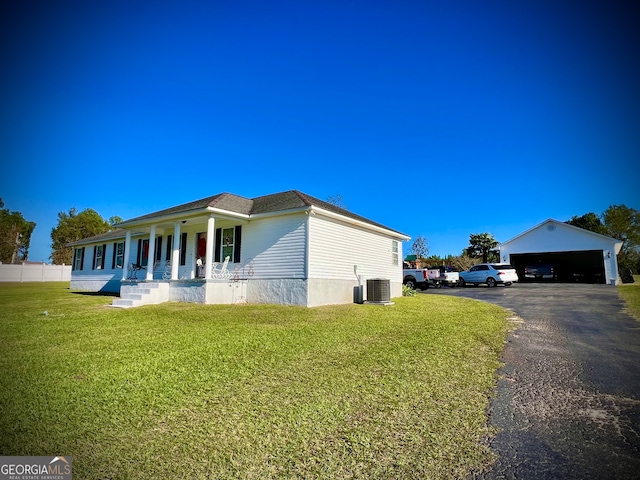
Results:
<point x="97" y="294"/>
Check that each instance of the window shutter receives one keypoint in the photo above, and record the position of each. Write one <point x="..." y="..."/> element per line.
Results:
<point x="104" y="255"/>
<point x="139" y="254"/>
<point x="183" y="249"/>
<point x="167" y="255"/>
<point x="159" y="248"/>
<point x="236" y="246"/>
<point x="95" y="251"/>
<point x="113" y="260"/>
<point x="82" y="259"/>
<point x="216" y="255"/>
<point x="75" y="255"/>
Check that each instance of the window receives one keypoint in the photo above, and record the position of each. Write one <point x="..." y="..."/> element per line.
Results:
<point x="477" y="268"/>
<point x="228" y="244"/>
<point x="118" y="255"/>
<point x="394" y="253"/>
<point x="78" y="258"/>
<point x="98" y="257"/>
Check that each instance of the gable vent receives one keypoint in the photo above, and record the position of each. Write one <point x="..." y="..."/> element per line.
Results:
<point x="378" y="290"/>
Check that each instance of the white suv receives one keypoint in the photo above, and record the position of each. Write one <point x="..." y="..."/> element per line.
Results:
<point x="489" y="273"/>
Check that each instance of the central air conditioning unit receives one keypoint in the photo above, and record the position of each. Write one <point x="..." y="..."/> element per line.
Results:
<point x="378" y="290"/>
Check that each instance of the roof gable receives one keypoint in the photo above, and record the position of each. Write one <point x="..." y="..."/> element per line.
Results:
<point x="552" y="232"/>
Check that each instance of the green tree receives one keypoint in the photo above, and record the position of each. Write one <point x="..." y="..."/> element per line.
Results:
<point x="15" y="236"/>
<point x="589" y="221"/>
<point x="623" y="223"/>
<point x="114" y="219"/>
<point x="481" y="245"/>
<point x="72" y="227"/>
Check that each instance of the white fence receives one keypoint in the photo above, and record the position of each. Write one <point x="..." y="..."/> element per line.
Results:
<point x="34" y="272"/>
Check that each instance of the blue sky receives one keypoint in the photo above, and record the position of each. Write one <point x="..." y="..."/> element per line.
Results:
<point x="438" y="119"/>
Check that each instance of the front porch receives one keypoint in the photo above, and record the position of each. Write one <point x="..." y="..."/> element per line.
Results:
<point x="192" y="247"/>
<point x="149" y="292"/>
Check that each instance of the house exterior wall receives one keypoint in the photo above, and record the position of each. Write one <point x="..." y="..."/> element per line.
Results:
<point x="296" y="259"/>
<point x="340" y="252"/>
<point x="336" y="247"/>
<point x="97" y="280"/>
<point x="277" y="246"/>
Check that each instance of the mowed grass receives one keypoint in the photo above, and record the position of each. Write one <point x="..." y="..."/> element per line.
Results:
<point x="630" y="293"/>
<point x="248" y="391"/>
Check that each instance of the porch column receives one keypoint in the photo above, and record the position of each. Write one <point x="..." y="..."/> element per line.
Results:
<point x="211" y="231"/>
<point x="175" y="255"/>
<point x="127" y="252"/>
<point x="152" y="253"/>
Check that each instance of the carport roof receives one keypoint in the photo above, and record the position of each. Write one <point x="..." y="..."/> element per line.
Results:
<point x="616" y="242"/>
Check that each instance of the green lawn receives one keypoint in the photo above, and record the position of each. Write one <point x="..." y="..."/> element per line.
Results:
<point x="248" y="391"/>
<point x="631" y="295"/>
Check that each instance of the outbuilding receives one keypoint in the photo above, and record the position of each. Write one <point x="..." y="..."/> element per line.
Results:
<point x="576" y="254"/>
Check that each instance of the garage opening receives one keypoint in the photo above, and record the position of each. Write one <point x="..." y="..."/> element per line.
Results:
<point x="580" y="266"/>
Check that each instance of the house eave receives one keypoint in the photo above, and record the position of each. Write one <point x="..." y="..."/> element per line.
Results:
<point x="180" y="216"/>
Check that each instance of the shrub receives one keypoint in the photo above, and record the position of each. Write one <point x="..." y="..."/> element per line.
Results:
<point x="407" y="291"/>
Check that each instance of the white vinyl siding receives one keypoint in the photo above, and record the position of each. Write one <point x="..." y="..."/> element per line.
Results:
<point x="336" y="247"/>
<point x="277" y="246"/>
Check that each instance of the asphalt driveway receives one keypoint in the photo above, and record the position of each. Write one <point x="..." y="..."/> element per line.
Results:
<point x="567" y="403"/>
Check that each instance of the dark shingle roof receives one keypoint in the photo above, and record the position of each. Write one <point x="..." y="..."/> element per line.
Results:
<point x="223" y="201"/>
<point x="296" y="199"/>
<point x="272" y="203"/>
<point x="116" y="233"/>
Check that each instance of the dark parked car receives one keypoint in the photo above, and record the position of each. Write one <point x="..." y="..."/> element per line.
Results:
<point x="540" y="272"/>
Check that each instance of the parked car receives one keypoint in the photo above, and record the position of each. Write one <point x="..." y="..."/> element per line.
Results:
<point x="587" y="275"/>
<point x="540" y="272"/>
<point x="489" y="273"/>
<point x="422" y="278"/>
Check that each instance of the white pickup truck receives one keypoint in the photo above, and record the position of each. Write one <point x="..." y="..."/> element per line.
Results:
<point x="422" y="278"/>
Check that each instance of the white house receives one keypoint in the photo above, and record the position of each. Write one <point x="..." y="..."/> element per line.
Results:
<point x="577" y="254"/>
<point x="285" y="248"/>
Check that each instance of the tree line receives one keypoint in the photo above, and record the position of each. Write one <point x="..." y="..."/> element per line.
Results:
<point x="617" y="221"/>
<point x="16" y="231"/>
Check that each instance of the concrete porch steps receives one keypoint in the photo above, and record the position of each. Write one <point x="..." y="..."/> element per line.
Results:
<point x="147" y="293"/>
